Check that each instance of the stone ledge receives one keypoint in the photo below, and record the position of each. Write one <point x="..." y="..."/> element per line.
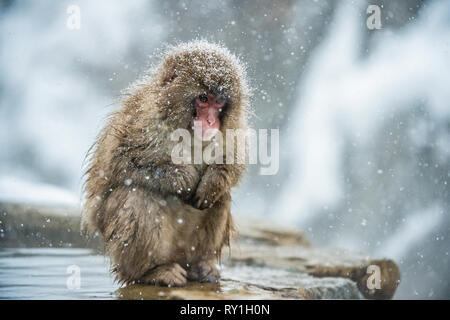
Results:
<point x="266" y="261"/>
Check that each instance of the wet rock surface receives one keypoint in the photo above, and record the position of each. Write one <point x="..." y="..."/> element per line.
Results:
<point x="265" y="261"/>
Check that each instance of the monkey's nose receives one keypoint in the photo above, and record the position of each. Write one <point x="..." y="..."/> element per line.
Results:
<point x="211" y="119"/>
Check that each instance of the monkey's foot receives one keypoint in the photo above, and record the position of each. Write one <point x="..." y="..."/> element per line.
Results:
<point x="204" y="271"/>
<point x="172" y="275"/>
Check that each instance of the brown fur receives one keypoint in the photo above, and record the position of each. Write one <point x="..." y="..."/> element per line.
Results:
<point x="143" y="204"/>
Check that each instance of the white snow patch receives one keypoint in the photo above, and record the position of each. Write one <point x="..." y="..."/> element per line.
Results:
<point x="416" y="227"/>
<point x="345" y="98"/>
<point x="13" y="189"/>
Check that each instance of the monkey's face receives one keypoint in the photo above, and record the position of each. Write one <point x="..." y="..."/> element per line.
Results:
<point x="201" y="82"/>
<point x="208" y="110"/>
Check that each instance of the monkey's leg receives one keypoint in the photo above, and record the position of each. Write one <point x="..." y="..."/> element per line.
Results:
<point x="137" y="238"/>
<point x="171" y="274"/>
<point x="203" y="271"/>
<point x="218" y="226"/>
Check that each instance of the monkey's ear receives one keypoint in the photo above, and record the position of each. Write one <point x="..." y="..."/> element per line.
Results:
<point x="170" y="76"/>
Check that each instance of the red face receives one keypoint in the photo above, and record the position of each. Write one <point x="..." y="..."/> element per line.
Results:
<point x="208" y="108"/>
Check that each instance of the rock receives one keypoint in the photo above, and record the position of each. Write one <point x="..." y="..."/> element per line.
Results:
<point x="320" y="263"/>
<point x="260" y="231"/>
<point x="276" y="284"/>
<point x="28" y="225"/>
<point x="266" y="261"/>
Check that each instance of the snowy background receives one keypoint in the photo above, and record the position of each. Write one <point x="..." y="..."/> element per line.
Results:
<point x="364" y="115"/>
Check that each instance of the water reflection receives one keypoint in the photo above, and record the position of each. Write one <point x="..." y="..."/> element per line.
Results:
<point x="41" y="273"/>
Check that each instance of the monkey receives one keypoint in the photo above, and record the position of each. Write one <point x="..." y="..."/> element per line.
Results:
<point x="164" y="223"/>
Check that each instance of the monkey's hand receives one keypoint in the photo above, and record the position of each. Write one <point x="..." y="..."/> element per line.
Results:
<point x="179" y="180"/>
<point x="214" y="183"/>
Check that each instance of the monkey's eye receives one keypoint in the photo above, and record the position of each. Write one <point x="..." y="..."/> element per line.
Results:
<point x="220" y="99"/>
<point x="203" y="98"/>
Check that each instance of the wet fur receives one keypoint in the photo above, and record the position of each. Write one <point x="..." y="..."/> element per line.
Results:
<point x="142" y="204"/>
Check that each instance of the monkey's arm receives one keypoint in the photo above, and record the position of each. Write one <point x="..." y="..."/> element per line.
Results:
<point x="163" y="177"/>
<point x="218" y="179"/>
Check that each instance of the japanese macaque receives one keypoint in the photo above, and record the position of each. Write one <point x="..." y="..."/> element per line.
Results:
<point x="165" y="223"/>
